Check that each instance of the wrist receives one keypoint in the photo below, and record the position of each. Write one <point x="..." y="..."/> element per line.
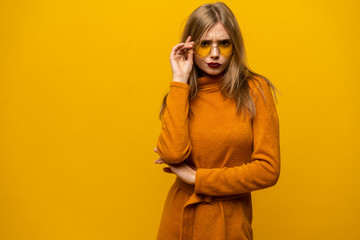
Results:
<point x="180" y="79"/>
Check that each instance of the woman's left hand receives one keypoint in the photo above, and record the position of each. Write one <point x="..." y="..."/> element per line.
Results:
<point x="182" y="170"/>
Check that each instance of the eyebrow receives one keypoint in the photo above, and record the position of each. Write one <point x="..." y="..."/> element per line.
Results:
<point x="218" y="40"/>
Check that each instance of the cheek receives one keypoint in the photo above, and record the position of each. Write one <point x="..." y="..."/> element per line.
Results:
<point x="199" y="62"/>
<point x="197" y="59"/>
<point x="227" y="61"/>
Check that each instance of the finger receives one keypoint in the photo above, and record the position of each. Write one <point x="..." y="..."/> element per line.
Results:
<point x="181" y="47"/>
<point x="159" y="161"/>
<point x="185" y="49"/>
<point x="155" y="149"/>
<point x="176" y="48"/>
<point x="188" y="43"/>
<point x="167" y="169"/>
<point x="188" y="46"/>
<point x="190" y="55"/>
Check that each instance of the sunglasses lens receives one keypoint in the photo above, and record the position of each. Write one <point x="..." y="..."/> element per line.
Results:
<point x="226" y="48"/>
<point x="203" y="49"/>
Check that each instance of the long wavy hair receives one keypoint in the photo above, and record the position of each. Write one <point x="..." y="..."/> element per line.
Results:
<point x="235" y="79"/>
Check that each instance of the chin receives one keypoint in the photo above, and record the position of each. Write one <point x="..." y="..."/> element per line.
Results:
<point x="213" y="72"/>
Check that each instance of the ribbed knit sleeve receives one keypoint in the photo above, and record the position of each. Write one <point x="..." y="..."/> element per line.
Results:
<point x="264" y="168"/>
<point x="173" y="144"/>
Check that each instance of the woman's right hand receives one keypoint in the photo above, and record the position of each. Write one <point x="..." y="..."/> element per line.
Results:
<point x="181" y="60"/>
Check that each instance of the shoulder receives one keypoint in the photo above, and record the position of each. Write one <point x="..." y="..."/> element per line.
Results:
<point x="258" y="86"/>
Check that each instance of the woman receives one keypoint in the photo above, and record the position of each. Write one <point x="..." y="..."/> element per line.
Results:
<point x="219" y="152"/>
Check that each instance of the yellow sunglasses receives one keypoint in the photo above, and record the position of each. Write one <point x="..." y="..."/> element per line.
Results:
<point x="203" y="47"/>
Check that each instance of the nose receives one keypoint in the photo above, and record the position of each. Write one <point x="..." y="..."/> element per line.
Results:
<point x="214" y="52"/>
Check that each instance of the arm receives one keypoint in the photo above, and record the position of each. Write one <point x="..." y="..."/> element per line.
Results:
<point x="264" y="168"/>
<point x="173" y="144"/>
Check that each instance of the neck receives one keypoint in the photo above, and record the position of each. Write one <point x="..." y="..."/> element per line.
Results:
<point x="210" y="83"/>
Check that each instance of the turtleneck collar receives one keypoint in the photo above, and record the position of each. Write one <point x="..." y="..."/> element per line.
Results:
<point x="209" y="83"/>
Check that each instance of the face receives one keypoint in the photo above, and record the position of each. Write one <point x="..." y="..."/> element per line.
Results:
<point x="216" y="36"/>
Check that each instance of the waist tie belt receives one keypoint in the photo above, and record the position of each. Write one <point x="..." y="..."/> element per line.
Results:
<point x="190" y="188"/>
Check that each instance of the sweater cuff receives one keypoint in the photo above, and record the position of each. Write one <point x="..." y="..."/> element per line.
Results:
<point x="198" y="176"/>
<point x="179" y="84"/>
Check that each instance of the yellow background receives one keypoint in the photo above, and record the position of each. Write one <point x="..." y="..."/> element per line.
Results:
<point x="81" y="83"/>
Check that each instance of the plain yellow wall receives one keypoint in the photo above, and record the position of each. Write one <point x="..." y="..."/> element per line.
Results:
<point x="81" y="83"/>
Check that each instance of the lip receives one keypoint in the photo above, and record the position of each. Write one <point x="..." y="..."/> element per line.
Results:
<point x="213" y="64"/>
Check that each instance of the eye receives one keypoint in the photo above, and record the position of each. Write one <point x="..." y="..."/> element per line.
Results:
<point x="225" y="43"/>
<point x="204" y="43"/>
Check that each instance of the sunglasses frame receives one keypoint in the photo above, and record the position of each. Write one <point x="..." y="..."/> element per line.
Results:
<point x="196" y="46"/>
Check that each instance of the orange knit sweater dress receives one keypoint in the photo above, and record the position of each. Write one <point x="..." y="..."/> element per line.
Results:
<point x="232" y="155"/>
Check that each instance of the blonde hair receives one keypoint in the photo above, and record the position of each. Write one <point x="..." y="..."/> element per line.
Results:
<point x="235" y="79"/>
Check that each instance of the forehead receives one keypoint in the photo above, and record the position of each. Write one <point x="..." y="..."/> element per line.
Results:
<point x="217" y="31"/>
